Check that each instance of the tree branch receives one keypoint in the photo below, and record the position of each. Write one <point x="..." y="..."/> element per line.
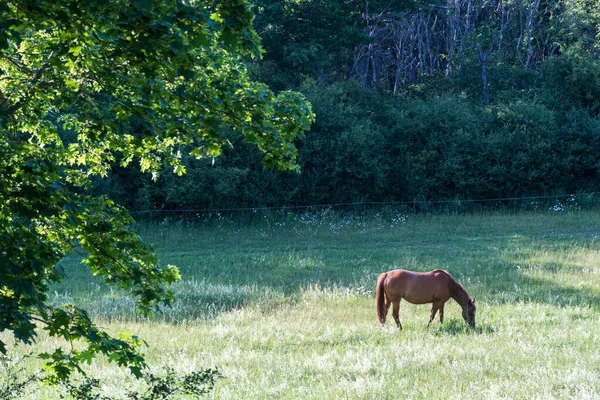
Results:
<point x="35" y="82"/>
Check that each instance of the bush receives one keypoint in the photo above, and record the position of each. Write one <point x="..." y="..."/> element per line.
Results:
<point x="371" y="147"/>
<point x="195" y="384"/>
<point x="14" y="379"/>
<point x="570" y="83"/>
<point x="436" y="147"/>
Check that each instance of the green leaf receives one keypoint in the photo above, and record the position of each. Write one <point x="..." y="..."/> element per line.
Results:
<point x="70" y="64"/>
<point x="75" y="50"/>
<point x="179" y="170"/>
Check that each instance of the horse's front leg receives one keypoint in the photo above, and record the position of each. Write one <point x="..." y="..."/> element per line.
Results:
<point x="442" y="313"/>
<point x="434" y="310"/>
<point x="396" y="312"/>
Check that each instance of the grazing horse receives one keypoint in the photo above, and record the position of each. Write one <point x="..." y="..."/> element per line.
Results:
<point x="420" y="288"/>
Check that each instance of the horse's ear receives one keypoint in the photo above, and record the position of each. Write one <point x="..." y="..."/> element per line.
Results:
<point x="473" y="300"/>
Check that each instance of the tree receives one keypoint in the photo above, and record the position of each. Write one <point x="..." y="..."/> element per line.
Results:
<point x="309" y="38"/>
<point x="85" y="85"/>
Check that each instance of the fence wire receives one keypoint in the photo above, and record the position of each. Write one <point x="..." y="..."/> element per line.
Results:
<point x="416" y="204"/>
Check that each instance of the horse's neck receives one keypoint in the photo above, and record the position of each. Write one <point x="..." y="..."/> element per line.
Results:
<point x="460" y="295"/>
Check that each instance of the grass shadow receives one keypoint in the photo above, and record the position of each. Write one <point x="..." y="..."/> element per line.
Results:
<point x="454" y="327"/>
<point x="530" y="286"/>
<point x="547" y="291"/>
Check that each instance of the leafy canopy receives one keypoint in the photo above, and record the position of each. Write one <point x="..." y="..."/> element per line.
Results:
<point x="85" y="85"/>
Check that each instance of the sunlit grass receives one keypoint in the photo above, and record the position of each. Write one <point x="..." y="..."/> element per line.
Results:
<point x="284" y="306"/>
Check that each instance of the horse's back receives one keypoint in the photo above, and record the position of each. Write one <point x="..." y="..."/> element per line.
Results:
<point x="418" y="287"/>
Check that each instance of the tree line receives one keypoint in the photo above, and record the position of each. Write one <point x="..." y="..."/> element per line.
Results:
<point x="418" y="101"/>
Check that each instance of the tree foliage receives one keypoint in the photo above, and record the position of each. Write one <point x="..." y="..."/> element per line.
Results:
<point x="311" y="37"/>
<point x="166" y="386"/>
<point x="366" y="146"/>
<point x="85" y="86"/>
<point x="479" y="47"/>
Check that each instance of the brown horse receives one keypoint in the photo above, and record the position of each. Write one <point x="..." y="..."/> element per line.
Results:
<point x="420" y="288"/>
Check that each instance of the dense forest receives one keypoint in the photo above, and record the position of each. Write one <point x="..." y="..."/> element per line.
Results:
<point x="463" y="99"/>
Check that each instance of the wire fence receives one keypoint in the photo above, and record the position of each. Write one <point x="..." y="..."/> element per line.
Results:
<point x="559" y="202"/>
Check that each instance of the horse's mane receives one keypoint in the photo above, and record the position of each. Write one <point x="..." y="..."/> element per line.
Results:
<point x="455" y="287"/>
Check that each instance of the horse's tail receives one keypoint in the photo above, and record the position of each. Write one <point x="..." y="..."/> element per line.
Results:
<point x="380" y="298"/>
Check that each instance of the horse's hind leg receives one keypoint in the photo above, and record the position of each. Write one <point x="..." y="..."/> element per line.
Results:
<point x="387" y="307"/>
<point x="442" y="313"/>
<point x="385" y="310"/>
<point x="396" y="312"/>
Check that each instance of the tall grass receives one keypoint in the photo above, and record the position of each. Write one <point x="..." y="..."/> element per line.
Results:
<point x="283" y="304"/>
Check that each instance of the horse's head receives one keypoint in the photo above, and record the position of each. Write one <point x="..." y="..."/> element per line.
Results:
<point x="469" y="313"/>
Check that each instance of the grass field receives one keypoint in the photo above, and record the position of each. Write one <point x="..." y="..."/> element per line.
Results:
<point x="284" y="305"/>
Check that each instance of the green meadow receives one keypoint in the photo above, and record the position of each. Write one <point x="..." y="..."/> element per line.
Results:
<point x="283" y="304"/>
